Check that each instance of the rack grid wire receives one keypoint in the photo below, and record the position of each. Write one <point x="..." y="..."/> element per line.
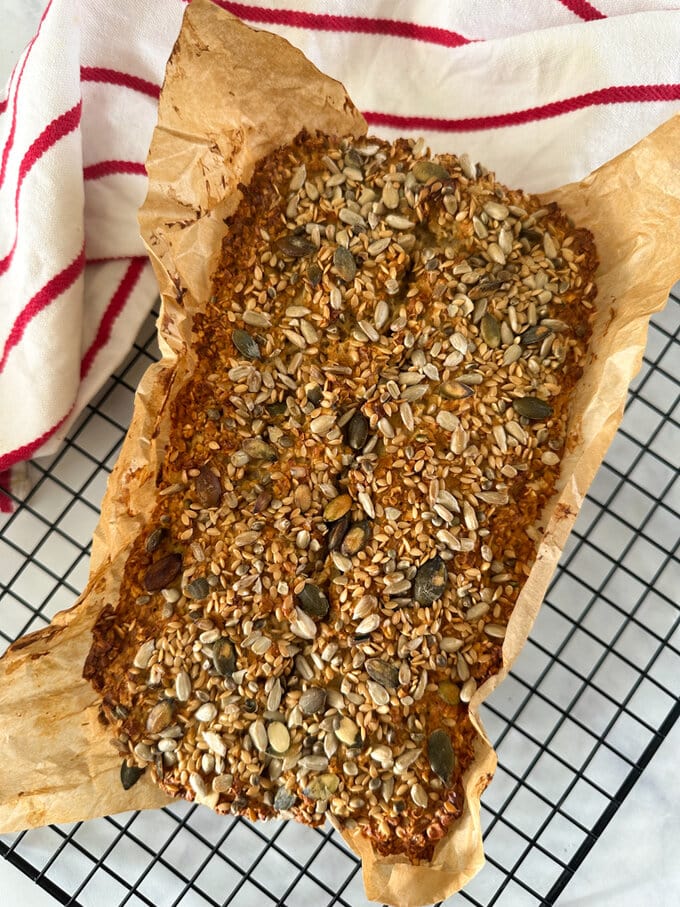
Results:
<point x="587" y="704"/>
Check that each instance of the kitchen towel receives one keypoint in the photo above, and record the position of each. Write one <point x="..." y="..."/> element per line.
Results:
<point x="540" y="92"/>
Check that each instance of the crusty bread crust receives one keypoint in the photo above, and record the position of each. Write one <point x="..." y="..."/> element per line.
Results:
<point x="352" y="491"/>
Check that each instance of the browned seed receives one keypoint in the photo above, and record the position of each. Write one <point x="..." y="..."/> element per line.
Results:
<point x="262" y="501"/>
<point x="440" y="754"/>
<point x="490" y="331"/>
<point x="163" y="572"/>
<point x="160" y="716"/>
<point x="337" y="508"/>
<point x="454" y="390"/>
<point x="295" y="246"/>
<point x="356" y="538"/>
<point x="208" y="488"/>
<point x="344" y="263"/>
<point x="532" y="408"/>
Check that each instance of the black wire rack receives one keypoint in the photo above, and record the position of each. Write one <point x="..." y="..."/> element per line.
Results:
<point x="592" y="696"/>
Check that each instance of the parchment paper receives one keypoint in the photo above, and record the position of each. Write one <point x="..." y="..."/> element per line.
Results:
<point x="231" y="95"/>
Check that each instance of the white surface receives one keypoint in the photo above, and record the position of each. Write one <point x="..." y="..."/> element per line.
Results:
<point x="635" y="861"/>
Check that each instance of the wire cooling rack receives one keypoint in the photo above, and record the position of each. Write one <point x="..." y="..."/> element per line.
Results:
<point x="594" y="693"/>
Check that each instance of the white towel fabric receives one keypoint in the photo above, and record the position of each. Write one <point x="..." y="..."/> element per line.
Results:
<point x="541" y="92"/>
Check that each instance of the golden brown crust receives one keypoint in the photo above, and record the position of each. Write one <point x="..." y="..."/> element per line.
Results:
<point x="442" y="275"/>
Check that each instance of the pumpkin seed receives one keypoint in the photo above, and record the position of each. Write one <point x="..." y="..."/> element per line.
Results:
<point x="224" y="656"/>
<point x="295" y="246"/>
<point x="449" y="692"/>
<point x="427" y="170"/>
<point x="344" y="263"/>
<point x="208" y="488"/>
<point x="163" y="572"/>
<point x="430" y="581"/>
<point x="245" y="344"/>
<point x="257" y="449"/>
<point x="532" y="408"/>
<point x="154" y="539"/>
<point x="279" y="736"/>
<point x="313" y="601"/>
<point x="198" y="588"/>
<point x="490" y="331"/>
<point x="440" y="754"/>
<point x="356" y="538"/>
<point x="357" y="430"/>
<point x="337" y="508"/>
<point x="337" y="532"/>
<point x="312" y="700"/>
<point x="130" y="775"/>
<point x="284" y="800"/>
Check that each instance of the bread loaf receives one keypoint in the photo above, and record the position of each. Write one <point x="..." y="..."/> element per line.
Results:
<point x="351" y="492"/>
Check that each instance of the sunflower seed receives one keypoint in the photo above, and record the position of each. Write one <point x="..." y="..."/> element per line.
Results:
<point x="160" y="716"/>
<point x="386" y="428"/>
<point x="351" y="218"/>
<point x="313" y="764"/>
<point x="368" y="625"/>
<point x="378" y="245"/>
<point x="468" y="690"/>
<point x="399" y="223"/>
<point x="321" y="425"/>
<point x="390" y="196"/>
<point x="496" y="211"/>
<point x="258" y="734"/>
<point x="419" y="796"/>
<point x="303" y="625"/>
<point x="144" y="654"/>
<point x="205" y="712"/>
<point x="367" y="504"/>
<point x="382" y="672"/>
<point x="377" y="692"/>
<point x="448" y="421"/>
<point x="512" y="354"/>
<point x="183" y="686"/>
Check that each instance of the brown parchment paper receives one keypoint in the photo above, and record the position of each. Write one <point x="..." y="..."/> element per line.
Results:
<point x="231" y="95"/>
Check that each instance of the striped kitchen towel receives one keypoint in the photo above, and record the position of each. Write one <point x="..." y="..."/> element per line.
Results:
<point x="540" y="92"/>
